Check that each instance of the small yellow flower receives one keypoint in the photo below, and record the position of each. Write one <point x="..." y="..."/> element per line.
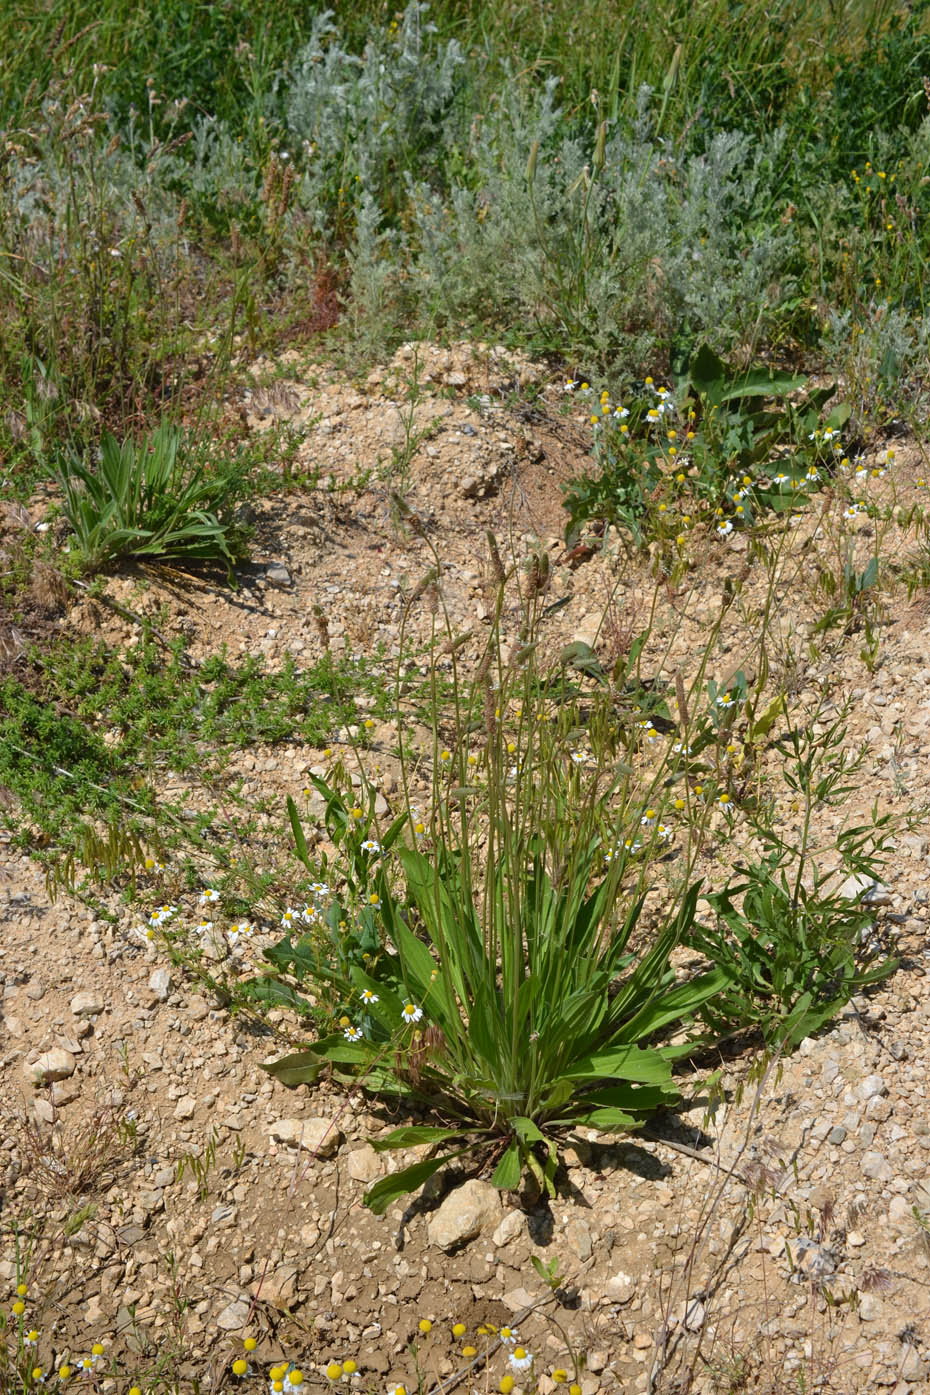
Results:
<point x="506" y="1385"/>
<point x="574" y="1390"/>
<point x="22" y="1290"/>
<point x="64" y="1372"/>
<point x="19" y="1308"/>
<point x="368" y="726"/>
<point x="469" y="1351"/>
<point x="445" y="755"/>
<point x="559" y="1376"/>
<point x="425" y="1325"/>
<point x="458" y="1329"/>
<point x="240" y="1367"/>
<point x="250" y="1343"/>
<point x="349" y="1367"/>
<point x="334" y="1370"/>
<point x="297" y="1377"/>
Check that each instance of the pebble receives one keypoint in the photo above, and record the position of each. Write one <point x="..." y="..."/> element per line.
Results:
<point x="277" y="574"/>
<point x="511" y="1226"/>
<point x="319" y="1136"/>
<point x="160" y="984"/>
<point x="364" y="1164"/>
<point x="56" y="1064"/>
<point x="234" y="1315"/>
<point x="875" y="1165"/>
<point x="465" y="1213"/>
<point x="86" y="1004"/>
<point x="620" y="1287"/>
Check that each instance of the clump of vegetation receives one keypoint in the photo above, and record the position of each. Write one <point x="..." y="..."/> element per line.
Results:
<point x="490" y="963"/>
<point x="150" y="500"/>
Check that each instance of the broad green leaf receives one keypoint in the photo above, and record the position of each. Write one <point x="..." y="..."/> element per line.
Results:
<point x="869" y="576"/>
<point x="506" y="1175"/>
<point x="276" y="994"/>
<point x="300" y="841"/>
<point x="527" y="1130"/>
<point x="397" y="1184"/>
<point x="677" y="1003"/>
<point x="608" y="1119"/>
<point x="761" y="383"/>
<point x="624" y="1063"/>
<point x="764" y="725"/>
<point x="412" y="1137"/>
<point x="299" y="1068"/>
<point x="707" y="373"/>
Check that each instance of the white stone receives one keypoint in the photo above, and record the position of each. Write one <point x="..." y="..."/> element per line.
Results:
<point x="876" y="1166"/>
<point x="319" y="1136"/>
<point x="56" y="1064"/>
<point x="510" y="1227"/>
<point x="160" y="984"/>
<point x="620" y="1287"/>
<point x="471" y="1208"/>
<point x="871" y="1086"/>
<point x="86" y="1004"/>
<point x="871" y="1307"/>
<point x="691" y="1314"/>
<point x="364" y="1164"/>
<point x="859" y="886"/>
<point x="234" y="1315"/>
<point x="901" y="1215"/>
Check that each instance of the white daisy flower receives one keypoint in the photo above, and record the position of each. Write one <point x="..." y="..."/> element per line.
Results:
<point x="209" y="896"/>
<point x="521" y="1359"/>
<point x="371" y="845"/>
<point x="411" y="1013"/>
<point x="353" y="1034"/>
<point x="367" y="996"/>
<point x="724" y="529"/>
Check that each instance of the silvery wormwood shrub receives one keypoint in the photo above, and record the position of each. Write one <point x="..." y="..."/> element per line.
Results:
<point x="601" y="248"/>
<point x="361" y="120"/>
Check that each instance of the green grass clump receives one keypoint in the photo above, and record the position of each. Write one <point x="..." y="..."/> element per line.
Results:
<point x="151" y="500"/>
<point x="490" y="962"/>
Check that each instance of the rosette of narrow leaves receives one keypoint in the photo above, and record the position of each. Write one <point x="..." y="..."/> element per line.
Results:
<point x="537" y="1015"/>
<point x="151" y="499"/>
